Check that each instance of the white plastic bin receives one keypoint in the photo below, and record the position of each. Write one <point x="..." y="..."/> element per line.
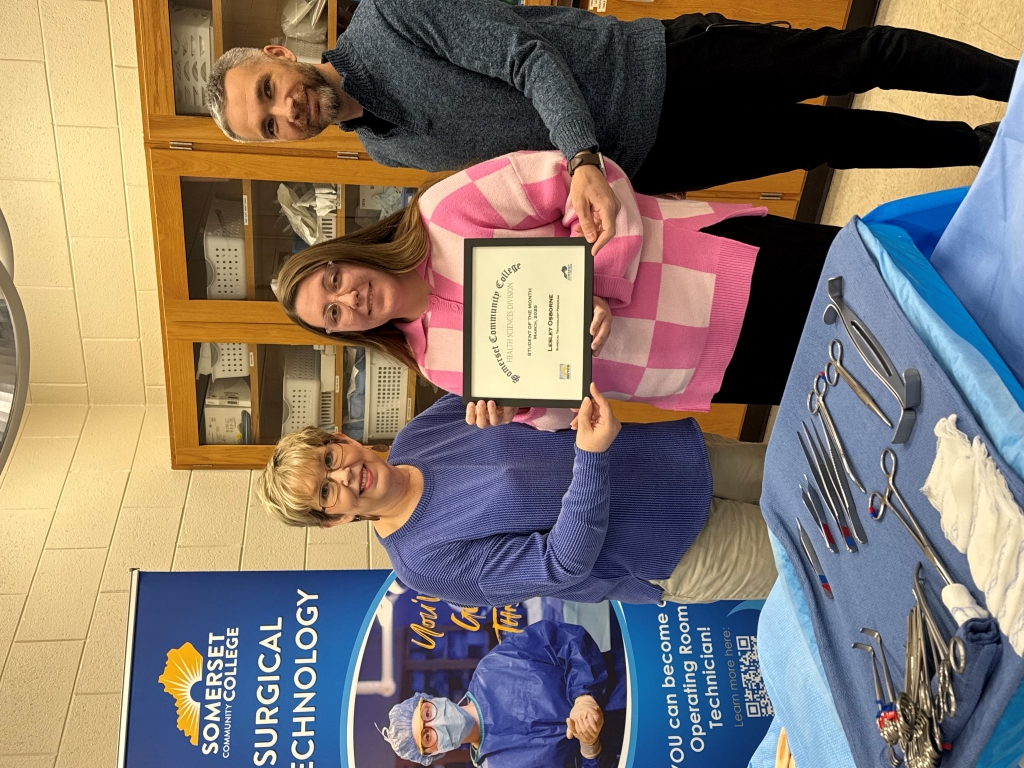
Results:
<point x="301" y="389"/>
<point x="229" y="360"/>
<point x="224" y="246"/>
<point x="387" y="396"/>
<point x="191" y="58"/>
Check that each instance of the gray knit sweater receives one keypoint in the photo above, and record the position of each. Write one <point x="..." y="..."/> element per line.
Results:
<point x="468" y="80"/>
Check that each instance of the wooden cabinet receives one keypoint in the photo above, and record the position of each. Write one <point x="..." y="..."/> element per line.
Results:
<point x="220" y="240"/>
<point x="216" y="311"/>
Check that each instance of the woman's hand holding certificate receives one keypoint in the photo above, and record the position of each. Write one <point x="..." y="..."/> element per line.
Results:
<point x="489" y="414"/>
<point x="595" y="424"/>
<point x="600" y="326"/>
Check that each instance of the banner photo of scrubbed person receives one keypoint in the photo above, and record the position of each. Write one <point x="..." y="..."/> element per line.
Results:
<point x="326" y="669"/>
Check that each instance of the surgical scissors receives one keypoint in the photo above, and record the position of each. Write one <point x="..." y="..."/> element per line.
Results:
<point x="816" y="406"/>
<point x="878" y="501"/>
<point x="834" y="369"/>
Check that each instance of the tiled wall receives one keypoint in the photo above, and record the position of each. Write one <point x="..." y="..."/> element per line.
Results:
<point x="88" y="495"/>
<point x="74" y="190"/>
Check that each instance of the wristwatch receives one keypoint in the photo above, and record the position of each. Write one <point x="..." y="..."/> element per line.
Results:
<point x="587" y="157"/>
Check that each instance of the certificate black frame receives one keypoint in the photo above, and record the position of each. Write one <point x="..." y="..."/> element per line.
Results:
<point x="467" y="326"/>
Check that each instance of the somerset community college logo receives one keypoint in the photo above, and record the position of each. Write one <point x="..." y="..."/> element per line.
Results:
<point x="184" y="669"/>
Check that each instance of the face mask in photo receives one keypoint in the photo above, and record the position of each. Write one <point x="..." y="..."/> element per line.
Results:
<point x="451" y="723"/>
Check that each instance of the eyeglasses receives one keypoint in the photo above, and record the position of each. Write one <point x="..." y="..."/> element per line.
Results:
<point x="329" y="281"/>
<point x="428" y="736"/>
<point x="329" y="493"/>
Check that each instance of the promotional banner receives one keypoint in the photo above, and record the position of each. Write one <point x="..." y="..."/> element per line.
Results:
<point x="302" y="669"/>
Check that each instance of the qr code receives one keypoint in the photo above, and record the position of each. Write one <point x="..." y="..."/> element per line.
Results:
<point x="755" y="697"/>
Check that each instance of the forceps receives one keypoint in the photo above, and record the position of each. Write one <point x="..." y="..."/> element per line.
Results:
<point x="816" y="406"/>
<point x="879" y="501"/>
<point x="834" y="369"/>
<point x="952" y="656"/>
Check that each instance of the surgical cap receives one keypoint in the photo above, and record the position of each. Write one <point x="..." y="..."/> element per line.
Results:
<point x="399" y="733"/>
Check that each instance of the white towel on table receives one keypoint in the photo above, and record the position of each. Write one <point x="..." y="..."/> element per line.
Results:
<point x="981" y="519"/>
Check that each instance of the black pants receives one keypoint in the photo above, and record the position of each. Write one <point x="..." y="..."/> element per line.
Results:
<point x="731" y="109"/>
<point x="781" y="291"/>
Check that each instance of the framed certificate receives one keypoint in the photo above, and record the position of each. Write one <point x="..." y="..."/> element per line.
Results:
<point x="526" y="330"/>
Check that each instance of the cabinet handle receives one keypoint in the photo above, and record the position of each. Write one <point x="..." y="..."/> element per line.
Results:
<point x="348" y="155"/>
<point x="771" y="195"/>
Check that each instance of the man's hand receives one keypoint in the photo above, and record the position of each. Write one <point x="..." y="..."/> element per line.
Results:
<point x="601" y="325"/>
<point x="595" y="424"/>
<point x="595" y="203"/>
<point x="585" y="720"/>
<point x="487" y="414"/>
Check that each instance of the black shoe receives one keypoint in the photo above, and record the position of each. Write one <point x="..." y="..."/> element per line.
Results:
<point x="986" y="134"/>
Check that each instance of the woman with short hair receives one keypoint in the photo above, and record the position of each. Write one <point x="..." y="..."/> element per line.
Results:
<point x="489" y="518"/>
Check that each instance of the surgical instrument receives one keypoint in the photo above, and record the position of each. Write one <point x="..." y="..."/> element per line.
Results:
<point x="834" y="370"/>
<point x="886" y="717"/>
<point x="827" y="484"/>
<point x="878" y="501"/>
<point x="877" y="637"/>
<point x="819" y="517"/>
<point x="906" y="389"/>
<point x="816" y="405"/>
<point x="812" y="556"/>
<point x="839" y="479"/>
<point x="837" y="510"/>
<point x="951" y="656"/>
<point x="816" y="502"/>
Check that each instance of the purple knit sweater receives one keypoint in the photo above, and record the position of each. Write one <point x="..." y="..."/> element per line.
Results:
<point x="510" y="512"/>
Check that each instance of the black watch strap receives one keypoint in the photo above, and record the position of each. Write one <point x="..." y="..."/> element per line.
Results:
<point x="586" y="158"/>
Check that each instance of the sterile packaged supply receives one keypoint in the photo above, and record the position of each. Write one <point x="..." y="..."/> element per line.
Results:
<point x="354" y="421"/>
<point x="227" y="412"/>
<point x="376" y="202"/>
<point x="311" y="210"/>
<point x="368" y="194"/>
<point x="233" y="391"/>
<point x="308" y="53"/>
<point x="305" y="20"/>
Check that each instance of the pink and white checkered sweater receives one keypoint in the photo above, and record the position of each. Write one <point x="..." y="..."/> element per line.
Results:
<point x="677" y="295"/>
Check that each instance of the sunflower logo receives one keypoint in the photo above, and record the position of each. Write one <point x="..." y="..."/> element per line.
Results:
<point x="184" y="668"/>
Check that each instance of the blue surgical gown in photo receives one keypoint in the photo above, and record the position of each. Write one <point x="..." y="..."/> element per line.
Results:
<point x="525" y="688"/>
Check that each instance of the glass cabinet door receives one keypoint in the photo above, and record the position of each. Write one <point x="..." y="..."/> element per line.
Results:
<point x="201" y="30"/>
<point x="239" y="232"/>
<point x="252" y="394"/>
<point x="224" y="232"/>
<point x="237" y="368"/>
<point x="238" y="398"/>
<point x="179" y="41"/>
